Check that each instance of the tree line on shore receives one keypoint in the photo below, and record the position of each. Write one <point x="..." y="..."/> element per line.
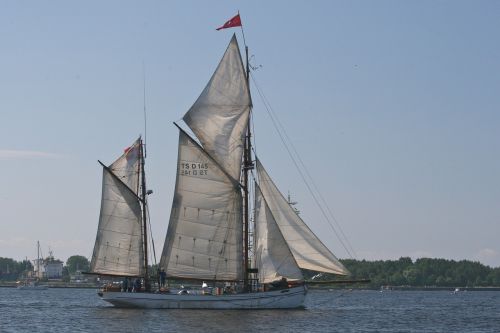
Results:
<point x="402" y="272"/>
<point x="12" y="270"/>
<point x="423" y="272"/>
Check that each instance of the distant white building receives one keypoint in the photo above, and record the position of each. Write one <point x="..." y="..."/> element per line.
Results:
<point x="48" y="268"/>
<point x="38" y="268"/>
<point x="53" y="269"/>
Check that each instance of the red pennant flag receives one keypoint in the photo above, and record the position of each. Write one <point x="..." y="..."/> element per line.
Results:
<point x="234" y="22"/>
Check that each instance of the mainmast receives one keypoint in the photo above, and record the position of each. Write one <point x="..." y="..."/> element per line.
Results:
<point x="144" y="216"/>
<point x="247" y="166"/>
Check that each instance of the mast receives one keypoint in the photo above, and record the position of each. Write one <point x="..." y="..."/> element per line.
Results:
<point x="247" y="165"/>
<point x="37" y="259"/>
<point x="144" y="217"/>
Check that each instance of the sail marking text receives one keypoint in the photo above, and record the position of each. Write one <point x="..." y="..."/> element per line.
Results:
<point x="194" y="169"/>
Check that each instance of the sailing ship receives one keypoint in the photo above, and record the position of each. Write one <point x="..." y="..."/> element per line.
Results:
<point x="33" y="282"/>
<point x="210" y="232"/>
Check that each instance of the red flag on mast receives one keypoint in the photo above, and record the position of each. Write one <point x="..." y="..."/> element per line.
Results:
<point x="234" y="22"/>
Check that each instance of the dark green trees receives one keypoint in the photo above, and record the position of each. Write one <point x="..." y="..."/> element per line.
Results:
<point x="77" y="263"/>
<point x="424" y="272"/>
<point x="11" y="270"/>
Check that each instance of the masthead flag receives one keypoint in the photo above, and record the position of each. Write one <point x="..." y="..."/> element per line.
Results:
<point x="234" y="22"/>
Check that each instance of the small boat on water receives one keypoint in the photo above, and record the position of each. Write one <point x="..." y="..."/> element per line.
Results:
<point x="210" y="238"/>
<point x="31" y="285"/>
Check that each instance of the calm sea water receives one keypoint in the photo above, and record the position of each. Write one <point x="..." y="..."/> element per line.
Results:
<point x="80" y="310"/>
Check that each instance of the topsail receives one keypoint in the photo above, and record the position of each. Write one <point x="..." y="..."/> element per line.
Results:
<point x="219" y="117"/>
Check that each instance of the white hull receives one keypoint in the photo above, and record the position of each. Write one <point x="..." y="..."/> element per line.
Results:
<point x="276" y="299"/>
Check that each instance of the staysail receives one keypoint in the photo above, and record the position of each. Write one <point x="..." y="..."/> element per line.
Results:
<point x="219" y="117"/>
<point x="118" y="249"/>
<point x="204" y="237"/>
<point x="309" y="252"/>
<point x="273" y="257"/>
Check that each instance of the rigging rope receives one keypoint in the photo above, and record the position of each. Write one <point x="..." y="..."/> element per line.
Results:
<point x="284" y="138"/>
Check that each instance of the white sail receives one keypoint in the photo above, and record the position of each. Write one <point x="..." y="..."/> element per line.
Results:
<point x="118" y="249"/>
<point x="219" y="116"/>
<point x="204" y="237"/>
<point x="308" y="251"/>
<point x="126" y="167"/>
<point x="274" y="259"/>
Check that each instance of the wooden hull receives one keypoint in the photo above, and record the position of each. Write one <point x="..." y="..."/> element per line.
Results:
<point x="277" y="299"/>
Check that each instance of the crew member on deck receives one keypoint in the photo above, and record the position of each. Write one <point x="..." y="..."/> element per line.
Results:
<point x="125" y="284"/>
<point x="137" y="285"/>
<point x="163" y="277"/>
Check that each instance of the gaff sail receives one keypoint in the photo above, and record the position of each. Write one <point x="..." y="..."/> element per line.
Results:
<point x="118" y="248"/>
<point x="204" y="237"/>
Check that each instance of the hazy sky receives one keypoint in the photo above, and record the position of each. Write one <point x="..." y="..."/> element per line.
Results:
<point x="393" y="105"/>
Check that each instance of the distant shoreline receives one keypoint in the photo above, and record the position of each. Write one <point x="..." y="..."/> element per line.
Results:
<point x="54" y="284"/>
<point x="416" y="288"/>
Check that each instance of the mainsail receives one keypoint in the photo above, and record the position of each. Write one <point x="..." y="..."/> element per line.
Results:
<point x="273" y="257"/>
<point x="219" y="117"/>
<point x="204" y="237"/>
<point x="118" y="248"/>
<point x="309" y="252"/>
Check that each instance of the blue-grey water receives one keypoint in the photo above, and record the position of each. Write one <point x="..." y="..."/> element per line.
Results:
<point x="81" y="310"/>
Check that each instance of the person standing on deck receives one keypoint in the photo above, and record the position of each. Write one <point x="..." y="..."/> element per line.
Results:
<point x="163" y="277"/>
<point x="125" y="284"/>
<point x="137" y="285"/>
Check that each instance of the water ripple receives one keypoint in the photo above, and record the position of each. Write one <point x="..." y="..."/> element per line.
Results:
<point x="81" y="310"/>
